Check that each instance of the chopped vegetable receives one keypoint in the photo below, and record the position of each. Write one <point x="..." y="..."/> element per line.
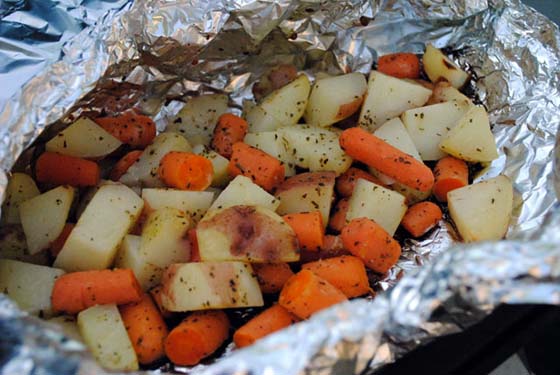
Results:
<point x="450" y="174"/>
<point x="272" y="276"/>
<point x="421" y="217"/>
<point x="186" y="171"/>
<point x="308" y="227"/>
<point x="400" y="65"/>
<point x="130" y="128"/>
<point x="346" y="182"/>
<point x="124" y="163"/>
<point x="229" y="130"/>
<point x="57" y="169"/>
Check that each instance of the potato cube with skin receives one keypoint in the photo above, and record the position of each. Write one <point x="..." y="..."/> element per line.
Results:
<point x="130" y="256"/>
<point x="220" y="175"/>
<point x="21" y="187"/>
<point x="246" y="233"/>
<point x="273" y="144"/>
<point x="482" y="211"/>
<point x="193" y="203"/>
<point x="29" y="285"/>
<point x="385" y="207"/>
<point x="439" y="67"/>
<point x="104" y="333"/>
<point x="210" y="285"/>
<point x="242" y="191"/>
<point x="94" y="241"/>
<point x="43" y="217"/>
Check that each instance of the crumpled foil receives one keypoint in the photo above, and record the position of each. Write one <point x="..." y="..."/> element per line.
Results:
<point x="154" y="55"/>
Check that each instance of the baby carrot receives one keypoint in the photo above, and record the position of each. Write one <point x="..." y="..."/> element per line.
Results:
<point x="130" y="128"/>
<point x="450" y="174"/>
<point x="373" y="151"/>
<point x="306" y="293"/>
<point x="76" y="291"/>
<point x="186" y="171"/>
<point x="346" y="182"/>
<point x="338" y="217"/>
<point x="272" y="276"/>
<point x="60" y="169"/>
<point x="270" y="320"/>
<point x="155" y="292"/>
<point x="421" y="217"/>
<point x="57" y="244"/>
<point x="123" y="164"/>
<point x="229" y="130"/>
<point x="264" y="169"/>
<point x="332" y="247"/>
<point x="346" y="272"/>
<point x="196" y="337"/>
<point x="146" y="329"/>
<point x="308" y="227"/>
<point x="400" y="65"/>
<point x="368" y="241"/>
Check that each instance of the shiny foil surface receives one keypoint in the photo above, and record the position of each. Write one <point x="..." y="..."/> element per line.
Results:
<point x="154" y="55"/>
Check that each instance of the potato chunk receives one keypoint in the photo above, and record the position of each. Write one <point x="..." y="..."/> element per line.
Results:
<point x="242" y="191"/>
<point x="193" y="203"/>
<point x="130" y="256"/>
<point x="21" y="187"/>
<point x="439" y="67"/>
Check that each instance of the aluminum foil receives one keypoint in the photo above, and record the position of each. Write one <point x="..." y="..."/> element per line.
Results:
<point x="154" y="54"/>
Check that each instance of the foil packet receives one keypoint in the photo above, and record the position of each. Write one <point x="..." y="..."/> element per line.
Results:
<point x="156" y="54"/>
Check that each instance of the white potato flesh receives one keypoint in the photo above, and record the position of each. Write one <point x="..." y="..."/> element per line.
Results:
<point x="242" y="191"/>
<point x="193" y="203"/>
<point x="104" y="333"/>
<point x="21" y="187"/>
<point x="210" y="285"/>
<point x="144" y="172"/>
<point x="388" y="97"/>
<point x="29" y="285"/>
<point x="164" y="237"/>
<point x="482" y="211"/>
<point x="246" y="233"/>
<point x="394" y="133"/>
<point x="444" y="92"/>
<point x="130" y="256"/>
<point x="220" y="176"/>
<point x="428" y="125"/>
<point x="94" y="241"/>
<point x="13" y="246"/>
<point x="83" y="139"/>
<point x="439" y="67"/>
<point x="43" y="217"/>
<point x="273" y="144"/>
<point x="288" y="103"/>
<point x="412" y="195"/>
<point x="472" y="139"/>
<point x="68" y="325"/>
<point x="260" y="120"/>
<point x="198" y="118"/>
<point x="385" y="207"/>
<point x="315" y="148"/>
<point x="333" y="99"/>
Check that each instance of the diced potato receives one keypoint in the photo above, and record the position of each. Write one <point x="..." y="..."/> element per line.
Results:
<point x="482" y="211"/>
<point x="103" y="331"/>
<point x="144" y="172"/>
<point x="388" y="97"/>
<point x="439" y="67"/>
<point x="198" y="118"/>
<point x="394" y="133"/>
<point x="164" y="237"/>
<point x="21" y="187"/>
<point x="335" y="98"/>
<point x="193" y="203"/>
<point x="130" y="256"/>
<point x="472" y="139"/>
<point x="315" y="148"/>
<point x="411" y="195"/>
<point x="444" y="92"/>
<point x="273" y="144"/>
<point x="43" y="217"/>
<point x="428" y="125"/>
<point x="13" y="246"/>
<point x="210" y="285"/>
<point x="307" y="192"/>
<point x="242" y="191"/>
<point x="260" y="120"/>
<point x="29" y="285"/>
<point x="68" y="325"/>
<point x="220" y="175"/>
<point x="95" y="239"/>
<point x="246" y="233"/>
<point x="83" y="139"/>
<point x="385" y="207"/>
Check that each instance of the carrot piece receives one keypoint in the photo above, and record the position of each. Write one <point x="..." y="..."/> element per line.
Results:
<point x="450" y="174"/>
<point x="229" y="130"/>
<point x="60" y="169"/>
<point x="306" y="293"/>
<point x="368" y="241"/>
<point x="155" y="292"/>
<point x="196" y="337"/>
<point x="308" y="227"/>
<point x="186" y="171"/>
<point x="272" y="276"/>
<point x="265" y="170"/>
<point x="347" y="273"/>
<point x="373" y="151"/>
<point x="76" y="291"/>
<point x="57" y="244"/>
<point x="270" y="320"/>
<point x="193" y="240"/>
<point x="124" y="163"/>
<point x="338" y="217"/>
<point x="130" y="128"/>
<point x="421" y="217"/>
<point x="332" y="247"/>
<point x="346" y="182"/>
<point x="146" y="329"/>
<point x="400" y="65"/>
